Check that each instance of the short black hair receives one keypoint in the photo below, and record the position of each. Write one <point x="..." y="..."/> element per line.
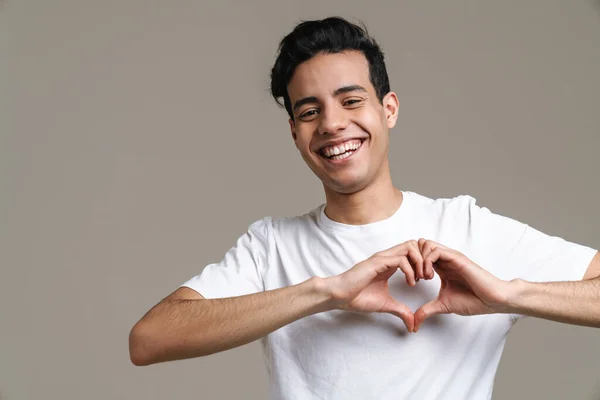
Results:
<point x="329" y="35"/>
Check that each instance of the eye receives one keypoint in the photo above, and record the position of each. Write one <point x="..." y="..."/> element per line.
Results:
<point x="308" y="113"/>
<point x="352" y="102"/>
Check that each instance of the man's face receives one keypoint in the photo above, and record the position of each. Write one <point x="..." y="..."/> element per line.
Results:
<point x="336" y="111"/>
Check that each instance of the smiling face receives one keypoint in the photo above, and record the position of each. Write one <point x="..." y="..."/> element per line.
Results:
<point x="340" y="127"/>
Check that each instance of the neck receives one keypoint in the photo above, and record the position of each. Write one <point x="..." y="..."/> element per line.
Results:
<point x="376" y="202"/>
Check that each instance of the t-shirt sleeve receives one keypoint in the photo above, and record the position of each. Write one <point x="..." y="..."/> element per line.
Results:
<point x="240" y="270"/>
<point x="521" y="251"/>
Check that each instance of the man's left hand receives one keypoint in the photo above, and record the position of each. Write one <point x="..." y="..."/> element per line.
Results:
<point x="466" y="289"/>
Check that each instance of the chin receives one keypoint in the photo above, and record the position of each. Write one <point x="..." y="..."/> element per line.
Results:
<point x="345" y="182"/>
<point x="346" y="186"/>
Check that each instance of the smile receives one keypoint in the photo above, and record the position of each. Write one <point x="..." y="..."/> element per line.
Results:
<point x="341" y="151"/>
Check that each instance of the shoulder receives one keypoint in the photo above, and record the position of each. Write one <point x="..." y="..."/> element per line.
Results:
<point x="303" y="222"/>
<point x="269" y="226"/>
<point x="465" y="217"/>
<point x="459" y="205"/>
<point x="460" y="199"/>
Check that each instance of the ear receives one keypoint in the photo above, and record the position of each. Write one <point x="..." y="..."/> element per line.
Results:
<point x="391" y="104"/>
<point x="293" y="129"/>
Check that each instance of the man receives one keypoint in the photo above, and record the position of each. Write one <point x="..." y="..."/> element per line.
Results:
<point x="321" y="290"/>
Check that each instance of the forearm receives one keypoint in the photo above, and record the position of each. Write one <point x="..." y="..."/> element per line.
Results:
<point x="179" y="329"/>
<point x="575" y="302"/>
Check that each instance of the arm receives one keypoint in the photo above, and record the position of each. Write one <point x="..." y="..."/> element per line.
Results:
<point x="185" y="325"/>
<point x="468" y="289"/>
<point x="570" y="302"/>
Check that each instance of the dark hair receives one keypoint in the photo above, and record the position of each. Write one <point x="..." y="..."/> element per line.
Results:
<point x="329" y="35"/>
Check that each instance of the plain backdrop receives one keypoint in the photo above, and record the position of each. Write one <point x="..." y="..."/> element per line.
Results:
<point x="138" y="141"/>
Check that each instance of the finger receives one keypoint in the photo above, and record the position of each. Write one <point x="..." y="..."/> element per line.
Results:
<point x="400" y="310"/>
<point x="421" y="244"/>
<point x="401" y="263"/>
<point x="404" y="249"/>
<point x="441" y="254"/>
<point x="459" y="265"/>
<point x="409" y="273"/>
<point x="427" y="246"/>
<point x="432" y="252"/>
<point x="399" y="249"/>
<point x="427" y="310"/>
<point x="416" y="259"/>
<point x="432" y="258"/>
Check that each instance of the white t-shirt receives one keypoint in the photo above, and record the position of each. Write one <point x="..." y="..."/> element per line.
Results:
<point x="344" y="355"/>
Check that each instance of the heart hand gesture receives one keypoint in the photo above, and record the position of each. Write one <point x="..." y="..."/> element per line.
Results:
<point x="364" y="287"/>
<point x="466" y="288"/>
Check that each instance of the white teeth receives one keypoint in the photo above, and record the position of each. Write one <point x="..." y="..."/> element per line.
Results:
<point x="336" y="152"/>
<point x="341" y="149"/>
<point x="342" y="156"/>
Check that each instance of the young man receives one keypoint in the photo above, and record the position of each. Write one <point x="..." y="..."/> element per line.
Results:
<point x="321" y="290"/>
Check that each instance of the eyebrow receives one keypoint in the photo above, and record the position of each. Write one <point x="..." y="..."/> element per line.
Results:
<point x="342" y="90"/>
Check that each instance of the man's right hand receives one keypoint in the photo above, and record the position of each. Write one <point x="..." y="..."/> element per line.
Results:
<point x="364" y="287"/>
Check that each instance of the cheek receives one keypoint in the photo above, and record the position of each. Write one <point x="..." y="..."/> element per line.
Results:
<point x="303" y="141"/>
<point x="303" y="147"/>
<point x="372" y="122"/>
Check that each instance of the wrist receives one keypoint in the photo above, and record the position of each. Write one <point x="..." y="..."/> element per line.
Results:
<point x="321" y="291"/>
<point x="515" y="291"/>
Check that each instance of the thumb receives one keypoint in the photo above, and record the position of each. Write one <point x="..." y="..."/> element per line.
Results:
<point x="427" y="310"/>
<point x="400" y="310"/>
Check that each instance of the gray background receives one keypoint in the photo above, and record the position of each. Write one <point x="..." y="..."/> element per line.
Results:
<point x="138" y="141"/>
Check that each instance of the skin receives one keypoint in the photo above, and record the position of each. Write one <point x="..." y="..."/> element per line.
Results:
<point x="359" y="191"/>
<point x="362" y="191"/>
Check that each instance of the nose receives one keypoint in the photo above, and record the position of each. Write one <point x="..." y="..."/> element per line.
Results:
<point x="333" y="119"/>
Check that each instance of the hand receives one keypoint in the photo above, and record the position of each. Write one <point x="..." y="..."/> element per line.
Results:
<point x="467" y="289"/>
<point x="364" y="287"/>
